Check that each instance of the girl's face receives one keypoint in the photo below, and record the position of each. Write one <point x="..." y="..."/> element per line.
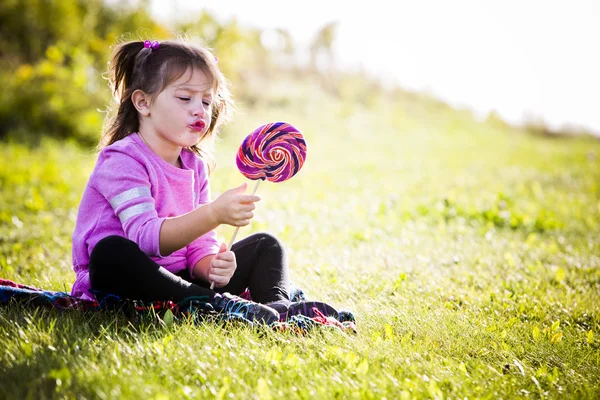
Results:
<point x="181" y="114"/>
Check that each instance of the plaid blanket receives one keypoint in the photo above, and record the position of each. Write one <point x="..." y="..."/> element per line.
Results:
<point x="196" y="307"/>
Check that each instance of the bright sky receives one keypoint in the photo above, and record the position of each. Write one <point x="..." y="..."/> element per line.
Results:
<point x="519" y="57"/>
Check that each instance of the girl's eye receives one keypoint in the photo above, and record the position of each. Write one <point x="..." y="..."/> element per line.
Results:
<point x="206" y="103"/>
<point x="184" y="98"/>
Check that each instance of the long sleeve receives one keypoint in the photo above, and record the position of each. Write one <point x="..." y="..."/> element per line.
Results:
<point x="126" y="185"/>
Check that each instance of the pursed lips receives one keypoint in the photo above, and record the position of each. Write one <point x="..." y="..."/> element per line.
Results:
<point x="198" y="125"/>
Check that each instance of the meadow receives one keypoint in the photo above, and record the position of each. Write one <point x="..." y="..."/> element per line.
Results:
<point x="469" y="252"/>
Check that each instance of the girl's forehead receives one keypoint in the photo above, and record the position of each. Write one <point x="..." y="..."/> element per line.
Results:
<point x="194" y="79"/>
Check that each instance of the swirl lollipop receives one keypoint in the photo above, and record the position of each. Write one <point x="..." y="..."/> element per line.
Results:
<point x="274" y="152"/>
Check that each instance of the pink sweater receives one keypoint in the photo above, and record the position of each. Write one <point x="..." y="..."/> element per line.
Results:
<point x="130" y="193"/>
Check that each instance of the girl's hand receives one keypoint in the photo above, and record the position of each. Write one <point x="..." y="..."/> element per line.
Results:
<point x="222" y="267"/>
<point x="233" y="207"/>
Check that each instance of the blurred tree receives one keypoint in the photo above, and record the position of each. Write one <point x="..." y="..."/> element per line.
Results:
<point x="288" y="47"/>
<point x="52" y="56"/>
<point x="241" y="54"/>
<point x="281" y="47"/>
<point x="29" y="27"/>
<point x="322" y="45"/>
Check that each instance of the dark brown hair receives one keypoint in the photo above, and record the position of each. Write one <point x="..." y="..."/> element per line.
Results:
<point x="134" y="67"/>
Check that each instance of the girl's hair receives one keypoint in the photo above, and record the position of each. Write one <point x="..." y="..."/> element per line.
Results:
<point x="134" y="67"/>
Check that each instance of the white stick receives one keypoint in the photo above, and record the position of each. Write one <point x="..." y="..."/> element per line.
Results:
<point x="212" y="284"/>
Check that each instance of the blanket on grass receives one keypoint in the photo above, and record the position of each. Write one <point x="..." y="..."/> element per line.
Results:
<point x="196" y="308"/>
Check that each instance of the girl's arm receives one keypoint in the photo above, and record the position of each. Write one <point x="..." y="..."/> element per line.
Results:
<point x="130" y="197"/>
<point x="178" y="232"/>
<point x="231" y="208"/>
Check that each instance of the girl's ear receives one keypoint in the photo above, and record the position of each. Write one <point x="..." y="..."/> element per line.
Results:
<point x="141" y="102"/>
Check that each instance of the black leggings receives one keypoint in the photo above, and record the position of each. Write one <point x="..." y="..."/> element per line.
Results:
<point x="118" y="266"/>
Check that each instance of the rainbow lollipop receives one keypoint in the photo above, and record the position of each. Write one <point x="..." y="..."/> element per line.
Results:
<point x="274" y="152"/>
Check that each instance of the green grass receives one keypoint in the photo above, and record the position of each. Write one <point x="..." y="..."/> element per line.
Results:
<point x="469" y="253"/>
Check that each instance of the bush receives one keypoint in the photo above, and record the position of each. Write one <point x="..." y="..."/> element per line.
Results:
<point x="52" y="58"/>
<point x="57" y="96"/>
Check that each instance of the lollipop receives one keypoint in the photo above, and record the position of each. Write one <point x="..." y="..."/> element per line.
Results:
<point x="274" y="152"/>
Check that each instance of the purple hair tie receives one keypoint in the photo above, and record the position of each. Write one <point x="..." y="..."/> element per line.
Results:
<point x="152" y="45"/>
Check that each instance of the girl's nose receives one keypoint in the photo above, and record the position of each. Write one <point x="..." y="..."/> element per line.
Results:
<point x="198" y="110"/>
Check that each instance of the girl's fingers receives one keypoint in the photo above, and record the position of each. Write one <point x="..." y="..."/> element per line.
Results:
<point x="248" y="198"/>
<point x="222" y="264"/>
<point x="243" y="214"/>
<point x="217" y="276"/>
<point x="219" y="280"/>
<point x="245" y="207"/>
<point x="240" y="221"/>
<point x="240" y="213"/>
<point x="226" y="256"/>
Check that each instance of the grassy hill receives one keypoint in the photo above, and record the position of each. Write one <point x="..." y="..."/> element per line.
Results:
<point x="467" y="250"/>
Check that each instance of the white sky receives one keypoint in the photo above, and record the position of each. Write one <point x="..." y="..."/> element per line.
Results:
<point x="518" y="57"/>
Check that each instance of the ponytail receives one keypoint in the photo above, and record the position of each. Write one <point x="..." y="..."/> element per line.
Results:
<point x="121" y="79"/>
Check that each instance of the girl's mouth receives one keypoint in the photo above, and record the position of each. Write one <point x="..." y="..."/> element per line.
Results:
<point x="198" y="126"/>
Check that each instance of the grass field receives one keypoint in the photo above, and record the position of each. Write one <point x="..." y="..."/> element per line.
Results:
<point x="468" y="251"/>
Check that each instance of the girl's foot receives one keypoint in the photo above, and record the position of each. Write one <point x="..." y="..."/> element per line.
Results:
<point x="307" y="308"/>
<point x="281" y="306"/>
<point x="234" y="305"/>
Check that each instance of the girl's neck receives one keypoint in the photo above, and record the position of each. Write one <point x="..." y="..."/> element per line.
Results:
<point x="170" y="156"/>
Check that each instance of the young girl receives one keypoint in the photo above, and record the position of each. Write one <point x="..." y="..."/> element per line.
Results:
<point x="145" y="227"/>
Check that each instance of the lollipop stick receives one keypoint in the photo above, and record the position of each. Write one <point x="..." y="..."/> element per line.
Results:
<point x="238" y="228"/>
<point x="212" y="285"/>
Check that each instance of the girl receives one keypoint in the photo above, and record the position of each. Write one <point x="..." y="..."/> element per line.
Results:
<point x="145" y="227"/>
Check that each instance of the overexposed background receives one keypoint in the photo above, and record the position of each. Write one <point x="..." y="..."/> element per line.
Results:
<point x="530" y="59"/>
